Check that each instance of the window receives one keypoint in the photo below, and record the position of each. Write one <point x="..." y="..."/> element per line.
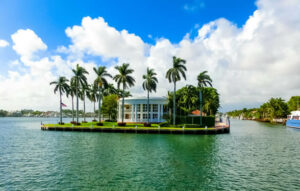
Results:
<point x="127" y="116"/>
<point x="145" y="116"/>
<point x="138" y="109"/>
<point x="155" y="107"/>
<point x="155" y="116"/>
<point x="138" y="116"/>
<point x="145" y="107"/>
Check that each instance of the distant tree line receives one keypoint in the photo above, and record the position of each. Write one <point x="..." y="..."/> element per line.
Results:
<point x="273" y="109"/>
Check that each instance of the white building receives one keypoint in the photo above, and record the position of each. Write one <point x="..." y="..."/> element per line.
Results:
<point x="135" y="109"/>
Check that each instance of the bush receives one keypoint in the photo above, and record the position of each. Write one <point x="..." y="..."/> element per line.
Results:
<point x="77" y="123"/>
<point x="61" y="123"/>
<point x="94" y="120"/>
<point x="164" y="124"/>
<point x="73" y="122"/>
<point x="121" y="124"/>
<point x="110" y="120"/>
<point x="100" y="124"/>
<point x="147" y="124"/>
<point x="84" y="121"/>
<point x="208" y="121"/>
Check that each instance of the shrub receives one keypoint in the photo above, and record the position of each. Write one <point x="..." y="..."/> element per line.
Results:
<point x="121" y="124"/>
<point x="164" y="124"/>
<point x="61" y="123"/>
<point x="73" y="122"/>
<point x="100" y="124"/>
<point x="84" y="121"/>
<point x="147" y="124"/>
<point x="208" y="121"/>
<point x="110" y="120"/>
<point x="77" y="123"/>
<point x="94" y="120"/>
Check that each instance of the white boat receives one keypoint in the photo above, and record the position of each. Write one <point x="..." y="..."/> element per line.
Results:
<point x="293" y="120"/>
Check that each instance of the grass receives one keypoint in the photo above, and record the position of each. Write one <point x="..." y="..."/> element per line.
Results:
<point x="128" y="125"/>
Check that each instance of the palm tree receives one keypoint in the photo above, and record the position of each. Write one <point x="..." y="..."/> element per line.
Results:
<point x="125" y="79"/>
<point x="174" y="75"/>
<point x="83" y="93"/>
<point x="149" y="84"/>
<point x="61" y="86"/>
<point x="92" y="94"/>
<point x="203" y="81"/>
<point x="101" y="82"/>
<point x="80" y="80"/>
<point x="110" y="89"/>
<point x="72" y="93"/>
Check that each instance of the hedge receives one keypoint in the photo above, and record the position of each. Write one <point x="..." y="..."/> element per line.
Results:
<point x="208" y="121"/>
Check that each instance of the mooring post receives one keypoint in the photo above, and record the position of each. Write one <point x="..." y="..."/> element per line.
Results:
<point x="205" y="127"/>
<point x="159" y="127"/>
<point x="136" y="126"/>
<point x="113" y="126"/>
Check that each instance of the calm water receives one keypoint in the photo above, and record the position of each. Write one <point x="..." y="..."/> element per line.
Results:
<point x="255" y="156"/>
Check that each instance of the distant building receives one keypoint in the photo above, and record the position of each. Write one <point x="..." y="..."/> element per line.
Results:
<point x="135" y="109"/>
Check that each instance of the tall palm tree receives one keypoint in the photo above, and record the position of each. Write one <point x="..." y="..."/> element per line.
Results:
<point x="84" y="89"/>
<point x="72" y="93"/>
<point x="125" y="79"/>
<point x="109" y="89"/>
<point x="149" y="84"/>
<point x="80" y="80"/>
<point x="62" y="86"/>
<point x="92" y="94"/>
<point x="173" y="75"/>
<point x="204" y="80"/>
<point x="101" y="82"/>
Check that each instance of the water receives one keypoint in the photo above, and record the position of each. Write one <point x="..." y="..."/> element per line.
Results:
<point x="254" y="156"/>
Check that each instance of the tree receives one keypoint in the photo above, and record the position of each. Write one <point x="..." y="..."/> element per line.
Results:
<point x="211" y="100"/>
<point x="80" y="80"/>
<point x="125" y="79"/>
<point x="72" y="93"/>
<point x="149" y="84"/>
<point x="110" y="106"/>
<point x="84" y="89"/>
<point x="294" y="103"/>
<point x="173" y="75"/>
<point x="101" y="82"/>
<point x="92" y="94"/>
<point x="61" y="86"/>
<point x="204" y="80"/>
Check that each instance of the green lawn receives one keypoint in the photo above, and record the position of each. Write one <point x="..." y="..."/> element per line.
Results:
<point x="128" y="125"/>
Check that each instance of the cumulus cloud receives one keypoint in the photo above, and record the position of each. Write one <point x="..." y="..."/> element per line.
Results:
<point x="26" y="43"/>
<point x="248" y="64"/>
<point x="3" y="43"/>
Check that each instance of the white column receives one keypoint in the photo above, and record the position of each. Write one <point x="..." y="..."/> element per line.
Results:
<point x="158" y="109"/>
<point x="132" y="107"/>
<point x="135" y="112"/>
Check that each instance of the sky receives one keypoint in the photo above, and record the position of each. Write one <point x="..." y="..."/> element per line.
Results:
<point x="250" y="48"/>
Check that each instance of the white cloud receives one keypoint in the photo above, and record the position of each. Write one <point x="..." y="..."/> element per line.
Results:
<point x="248" y="64"/>
<point x="26" y="43"/>
<point x="194" y="6"/>
<point x="3" y="43"/>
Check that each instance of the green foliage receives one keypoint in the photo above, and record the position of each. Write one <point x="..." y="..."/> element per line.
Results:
<point x="3" y="113"/>
<point x="187" y="100"/>
<point x="294" y="103"/>
<point x="208" y="121"/>
<point x="110" y="106"/>
<point x="274" y="108"/>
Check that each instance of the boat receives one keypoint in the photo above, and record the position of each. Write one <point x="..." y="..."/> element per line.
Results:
<point x="293" y="120"/>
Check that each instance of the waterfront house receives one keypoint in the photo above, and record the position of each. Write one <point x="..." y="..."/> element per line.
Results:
<point x="135" y="109"/>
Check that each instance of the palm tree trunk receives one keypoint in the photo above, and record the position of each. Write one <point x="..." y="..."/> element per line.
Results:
<point x="94" y="110"/>
<point x="123" y="105"/>
<point x="72" y="108"/>
<point x="83" y="106"/>
<point x="174" y="104"/>
<point x="148" y="107"/>
<point x="200" y="98"/>
<point x="60" y="107"/>
<point x="99" y="105"/>
<point x="77" y="101"/>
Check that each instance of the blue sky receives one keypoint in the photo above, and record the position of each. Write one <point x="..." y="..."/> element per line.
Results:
<point x="159" y="18"/>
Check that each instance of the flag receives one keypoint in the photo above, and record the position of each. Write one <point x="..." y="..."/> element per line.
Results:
<point x="64" y="105"/>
